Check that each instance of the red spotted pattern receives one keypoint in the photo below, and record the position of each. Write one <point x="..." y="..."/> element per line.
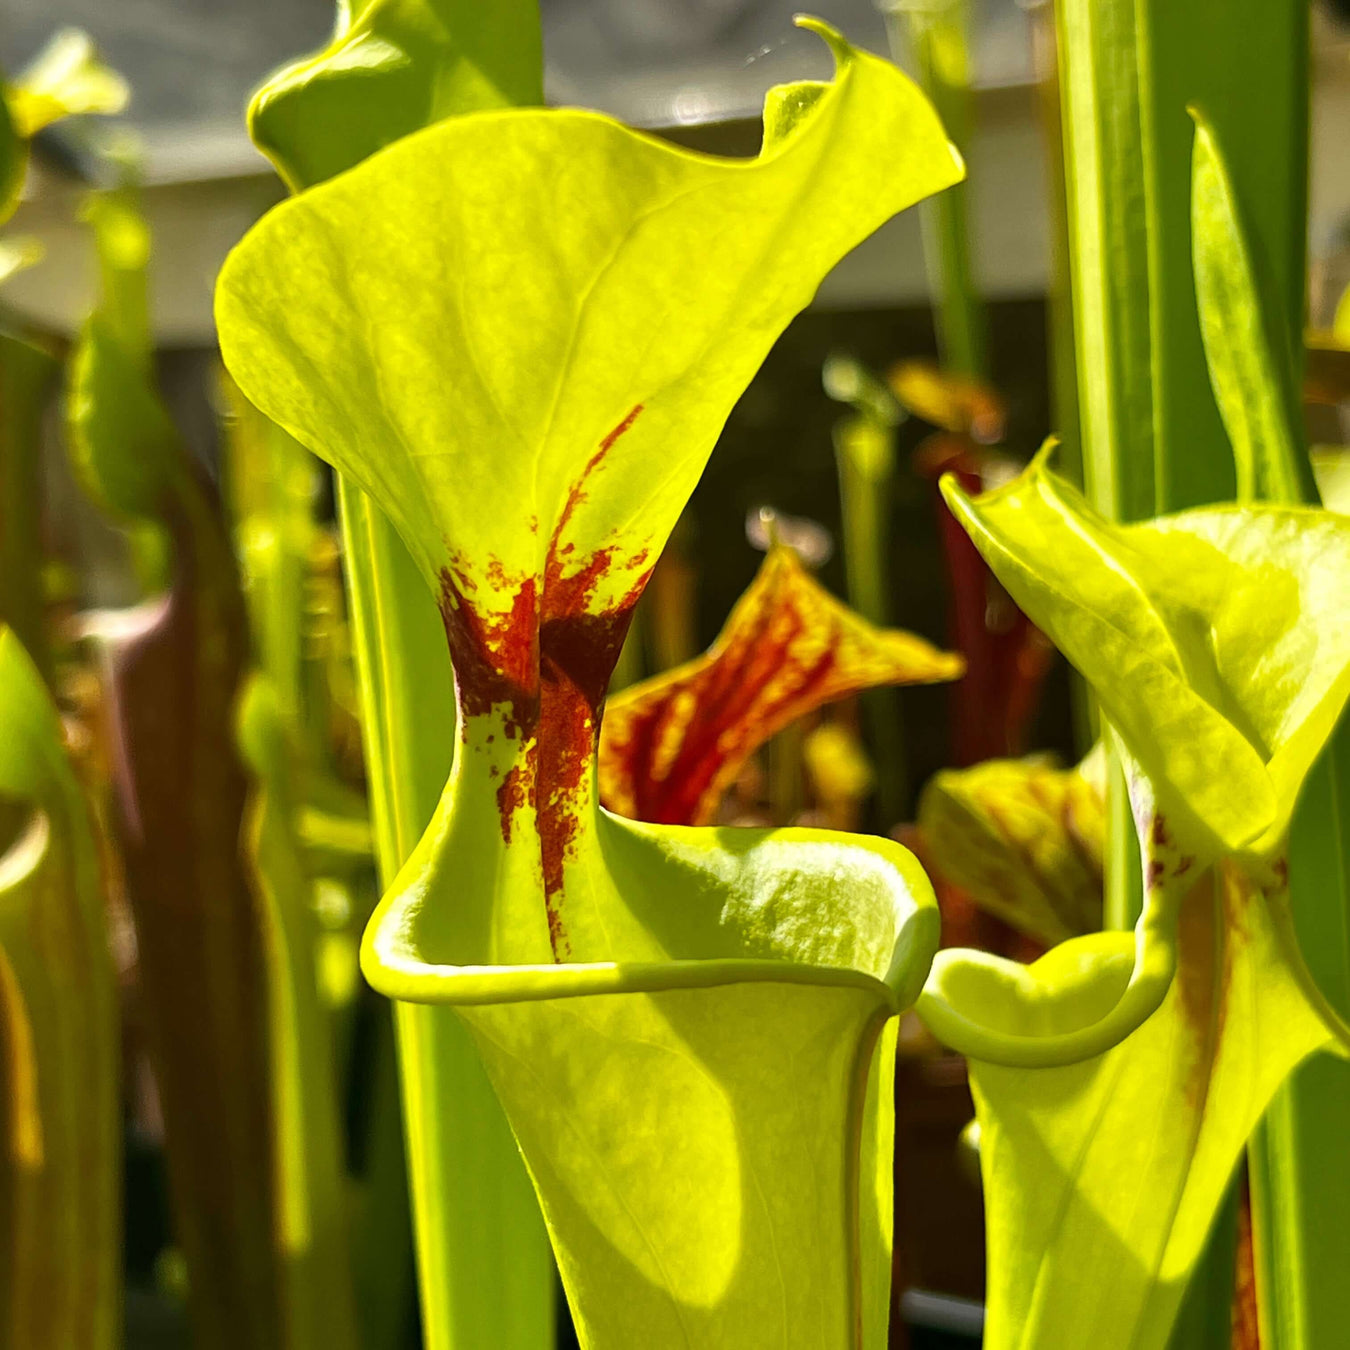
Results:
<point x="544" y="666"/>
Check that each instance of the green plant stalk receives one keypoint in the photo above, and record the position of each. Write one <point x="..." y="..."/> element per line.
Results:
<point x="865" y="453"/>
<point x="484" y="1267"/>
<point x="1060" y="321"/>
<point x="1299" y="1173"/>
<point x="60" y="1148"/>
<point x="1059" y="313"/>
<point x="272" y="481"/>
<point x="318" y="1309"/>
<point x="383" y="1261"/>
<point x="937" y="42"/>
<point x="1298" y="1162"/>
<point x="399" y="644"/>
<point x="389" y="646"/>
<point x="26" y="372"/>
<point x="483" y="1260"/>
<point x="1152" y="439"/>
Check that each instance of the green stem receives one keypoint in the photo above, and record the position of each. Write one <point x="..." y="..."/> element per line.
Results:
<point x="484" y="1263"/>
<point x="318" y="1310"/>
<point x="1059" y="318"/>
<point x="865" y="452"/>
<point x="938" y="46"/>
<point x="1108" y="254"/>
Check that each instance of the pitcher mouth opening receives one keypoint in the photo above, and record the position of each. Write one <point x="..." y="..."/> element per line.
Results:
<point x="410" y="980"/>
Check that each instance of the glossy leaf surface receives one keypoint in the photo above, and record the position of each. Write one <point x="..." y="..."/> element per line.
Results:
<point x="672" y="745"/>
<point x="1214" y="639"/>
<point x="393" y="67"/>
<point x="637" y="358"/>
<point x="602" y="963"/>
<point x="1214" y="644"/>
<point x="605" y="347"/>
<point x="1211" y="640"/>
<point x="1024" y="839"/>
<point x="60" y="1127"/>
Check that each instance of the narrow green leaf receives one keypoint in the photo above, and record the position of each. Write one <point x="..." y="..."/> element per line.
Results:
<point x="122" y="243"/>
<point x="124" y="447"/>
<point x="1104" y="166"/>
<point x="312" y="1213"/>
<point x="864" y="448"/>
<point x="60" y="1126"/>
<point x="114" y="407"/>
<point x="1247" y="347"/>
<point x="273" y="484"/>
